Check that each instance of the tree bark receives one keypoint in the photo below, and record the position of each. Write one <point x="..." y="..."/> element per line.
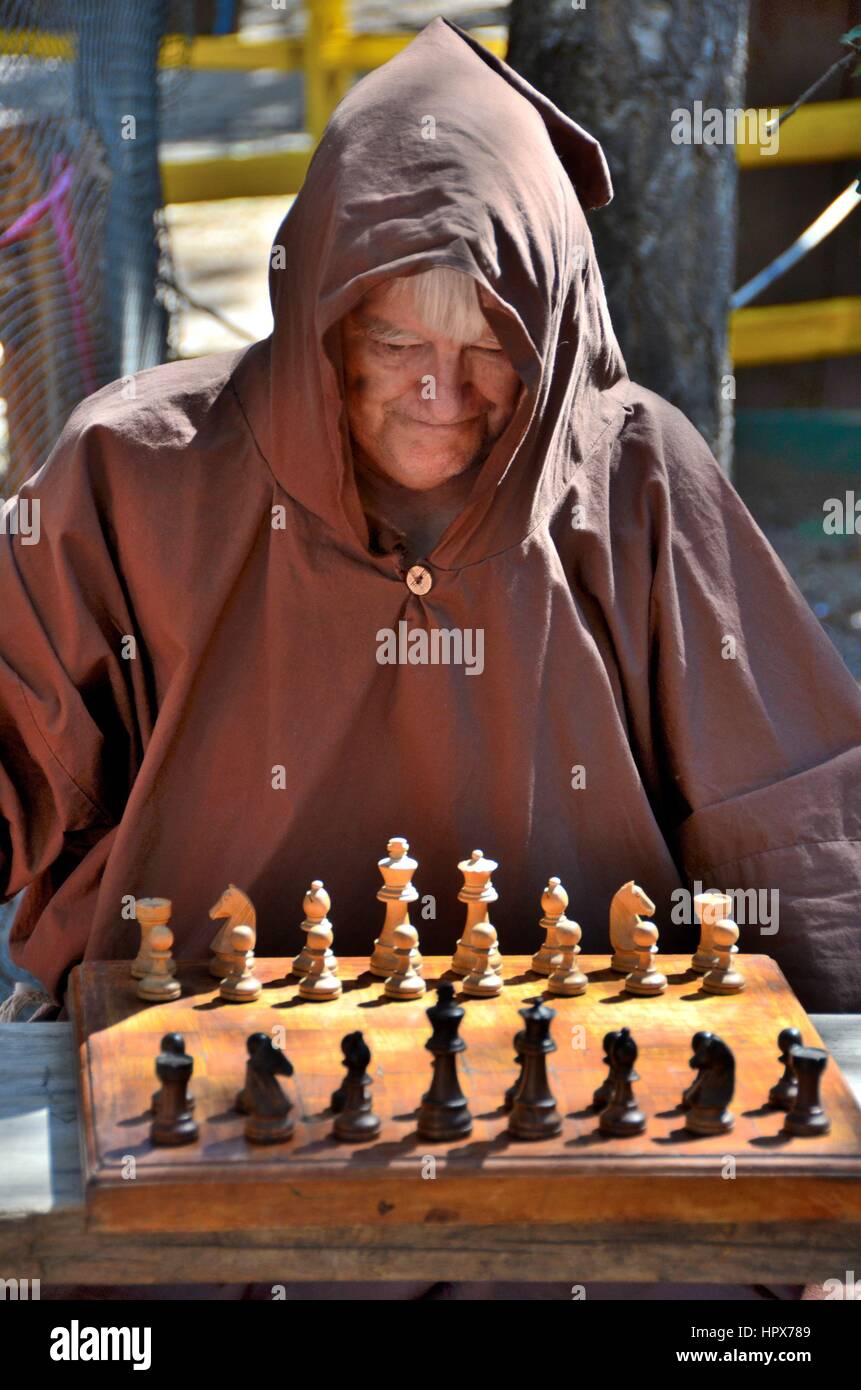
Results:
<point x="666" y="244"/>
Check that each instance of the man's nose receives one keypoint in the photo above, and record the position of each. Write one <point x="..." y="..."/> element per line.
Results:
<point x="448" y="390"/>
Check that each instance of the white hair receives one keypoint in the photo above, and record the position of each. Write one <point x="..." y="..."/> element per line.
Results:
<point x="447" y="302"/>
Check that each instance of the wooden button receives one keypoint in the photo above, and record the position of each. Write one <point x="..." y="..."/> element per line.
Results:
<point x="419" y="579"/>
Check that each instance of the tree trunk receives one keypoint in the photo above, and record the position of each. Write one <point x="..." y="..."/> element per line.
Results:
<point x="666" y="244"/>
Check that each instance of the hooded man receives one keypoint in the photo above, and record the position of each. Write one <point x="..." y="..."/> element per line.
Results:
<point x="425" y="562"/>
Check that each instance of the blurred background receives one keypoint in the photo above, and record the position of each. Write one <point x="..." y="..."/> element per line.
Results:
<point x="148" y="152"/>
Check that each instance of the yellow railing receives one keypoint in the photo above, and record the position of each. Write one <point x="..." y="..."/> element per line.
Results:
<point x="330" y="54"/>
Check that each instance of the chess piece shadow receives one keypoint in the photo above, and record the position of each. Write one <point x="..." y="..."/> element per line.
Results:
<point x="670" y="1114"/>
<point x="129" y="1151"/>
<point x="587" y="1113"/>
<point x="623" y="997"/>
<point x="699" y="994"/>
<point x="772" y="1141"/>
<point x="209" y="1004"/>
<point x="764" y="1109"/>
<point x="584" y="1141"/>
<point x="496" y="1114"/>
<point x="223" y="1117"/>
<point x="528" y="977"/>
<point x="135" y="1119"/>
<point x="599" y="977"/>
<point x="680" y="1136"/>
<point x="377" y="1002"/>
<point x="294" y="1002"/>
<point x="683" y="977"/>
<point x="480" y="1148"/>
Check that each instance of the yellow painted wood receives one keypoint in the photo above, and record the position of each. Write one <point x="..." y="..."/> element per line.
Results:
<point x="821" y="132"/>
<point x="235" y="176"/>
<point x="796" y="332"/>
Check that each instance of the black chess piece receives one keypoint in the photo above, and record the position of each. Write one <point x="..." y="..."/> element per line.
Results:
<point x="356" y="1123"/>
<point x="336" y="1101"/>
<point x="715" y="1086"/>
<point x="533" y="1111"/>
<point x="175" y="1043"/>
<point x="782" y="1094"/>
<point x="518" y="1059"/>
<point x="808" y="1116"/>
<point x="444" y="1113"/>
<point x="261" y="1098"/>
<point x="601" y="1096"/>
<point x="689" y="1094"/>
<point x="622" y="1116"/>
<point x="173" y="1122"/>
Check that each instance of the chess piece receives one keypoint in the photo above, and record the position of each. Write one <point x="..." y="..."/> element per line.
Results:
<point x="482" y="981"/>
<point x="173" y="1123"/>
<point x="315" y="904"/>
<point x="807" y="1118"/>
<point x="723" y="978"/>
<point x="518" y="1059"/>
<point x="159" y="985"/>
<point x="336" y="1100"/>
<point x="174" y="1043"/>
<point x="237" y="908"/>
<point x="709" y="908"/>
<point x="240" y="985"/>
<point x="709" y="1112"/>
<point x="397" y="893"/>
<point x="405" y="982"/>
<point x="554" y="901"/>
<point x="444" y="1113"/>
<point x="355" y="1121"/>
<point x="689" y="1094"/>
<point x="601" y="1096"/>
<point x="621" y="1115"/>
<point x="261" y="1098"/>
<point x="566" y="977"/>
<point x="783" y="1092"/>
<point x="625" y="908"/>
<point x="533" y="1110"/>
<point x="478" y="893"/>
<point x="149" y="912"/>
<point x="645" y="978"/>
<point x="320" y="983"/>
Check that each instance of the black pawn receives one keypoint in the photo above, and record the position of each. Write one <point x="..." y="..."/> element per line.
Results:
<point x="715" y="1087"/>
<point x="444" y="1113"/>
<point x="689" y="1095"/>
<point x="175" y="1043"/>
<point x="518" y="1058"/>
<point x="604" y="1091"/>
<point x="783" y="1093"/>
<point x="172" y="1119"/>
<point x="533" y="1112"/>
<point x="336" y="1101"/>
<point x="622" y="1116"/>
<point x="355" y="1123"/>
<point x="807" y="1116"/>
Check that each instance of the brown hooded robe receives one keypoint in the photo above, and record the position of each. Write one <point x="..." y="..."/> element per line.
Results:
<point x="249" y="733"/>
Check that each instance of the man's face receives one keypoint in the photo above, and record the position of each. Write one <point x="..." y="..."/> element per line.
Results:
<point x="421" y="407"/>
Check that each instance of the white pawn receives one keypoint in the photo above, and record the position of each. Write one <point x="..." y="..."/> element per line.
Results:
<point x="149" y="912"/>
<point x="321" y="982"/>
<point x="645" y="978"/>
<point x="554" y="901"/>
<point x="397" y="893"/>
<point x="710" y="908"/>
<point x="159" y="984"/>
<point x="315" y="904"/>
<point x="566" y="977"/>
<point x="724" y="978"/>
<point x="478" y="893"/>
<point x="240" y="985"/>
<point x="405" y="982"/>
<point x="482" y="982"/>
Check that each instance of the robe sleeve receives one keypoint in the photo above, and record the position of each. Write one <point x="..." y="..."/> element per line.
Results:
<point x="68" y="696"/>
<point x="759" y="723"/>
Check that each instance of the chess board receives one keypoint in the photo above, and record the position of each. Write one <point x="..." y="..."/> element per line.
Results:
<point x="222" y="1182"/>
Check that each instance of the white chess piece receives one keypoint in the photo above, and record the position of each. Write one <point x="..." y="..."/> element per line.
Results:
<point x="320" y="983"/>
<point x="316" y="905"/>
<point x="554" y="901"/>
<point x="240" y="985"/>
<point x="397" y="893"/>
<point x="149" y="912"/>
<point x="478" y="893"/>
<point x="566" y="977"/>
<point x="723" y="978"/>
<point x="159" y="985"/>
<point x="405" y="982"/>
<point x="482" y="981"/>
<point x="710" y="907"/>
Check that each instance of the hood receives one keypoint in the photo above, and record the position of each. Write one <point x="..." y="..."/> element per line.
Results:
<point x="443" y="156"/>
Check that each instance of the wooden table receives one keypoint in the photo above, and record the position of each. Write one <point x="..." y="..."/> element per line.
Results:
<point x="43" y="1233"/>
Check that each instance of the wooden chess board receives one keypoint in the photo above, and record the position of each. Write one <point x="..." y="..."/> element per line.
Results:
<point x="222" y="1182"/>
